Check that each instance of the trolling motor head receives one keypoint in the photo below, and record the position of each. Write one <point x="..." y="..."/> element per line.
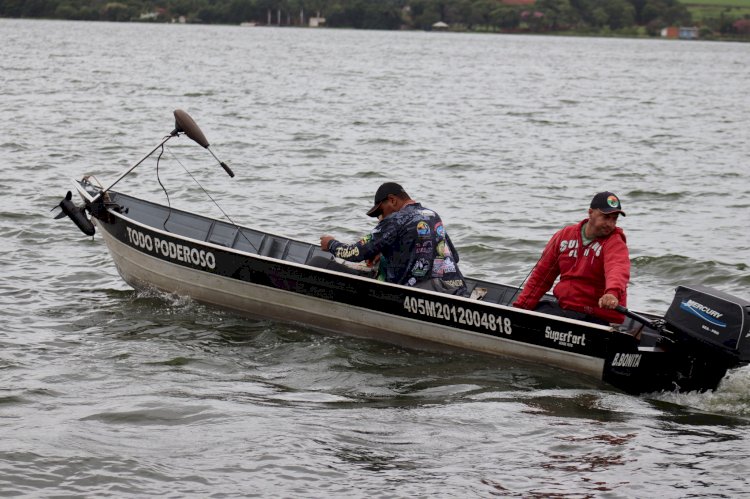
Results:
<point x="183" y="123"/>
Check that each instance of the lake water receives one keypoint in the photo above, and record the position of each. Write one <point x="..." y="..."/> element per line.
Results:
<point x="106" y="392"/>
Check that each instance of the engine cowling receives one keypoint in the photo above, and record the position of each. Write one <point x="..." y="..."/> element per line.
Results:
<point x="711" y="317"/>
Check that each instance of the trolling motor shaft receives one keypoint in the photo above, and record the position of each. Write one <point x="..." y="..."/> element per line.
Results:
<point x="183" y="124"/>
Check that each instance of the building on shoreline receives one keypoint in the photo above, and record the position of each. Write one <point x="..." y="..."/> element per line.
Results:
<point x="681" y="32"/>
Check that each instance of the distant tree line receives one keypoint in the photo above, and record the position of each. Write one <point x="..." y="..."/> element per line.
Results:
<point x="595" y="16"/>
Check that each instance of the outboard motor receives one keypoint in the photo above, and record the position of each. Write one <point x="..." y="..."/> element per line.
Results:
<point x="714" y="319"/>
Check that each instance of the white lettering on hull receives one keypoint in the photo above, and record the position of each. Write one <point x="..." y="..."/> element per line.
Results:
<point x="565" y="339"/>
<point x="459" y="315"/>
<point x="626" y="360"/>
<point x="179" y="252"/>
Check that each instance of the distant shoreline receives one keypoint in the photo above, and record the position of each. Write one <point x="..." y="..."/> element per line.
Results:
<point x="585" y="33"/>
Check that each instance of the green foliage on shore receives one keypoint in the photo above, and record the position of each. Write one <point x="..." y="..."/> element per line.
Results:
<point x="607" y="17"/>
<point x="708" y="10"/>
<point x="719" y="3"/>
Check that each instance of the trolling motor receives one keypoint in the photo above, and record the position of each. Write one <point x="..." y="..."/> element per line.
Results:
<point x="97" y="205"/>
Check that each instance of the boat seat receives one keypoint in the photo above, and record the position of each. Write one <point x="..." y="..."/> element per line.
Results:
<point x="273" y="247"/>
<point x="222" y="234"/>
<point x="187" y="225"/>
<point x="298" y="252"/>
<point x="317" y="255"/>
<point x="248" y="240"/>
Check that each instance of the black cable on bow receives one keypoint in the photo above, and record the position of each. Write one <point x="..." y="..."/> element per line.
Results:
<point x="158" y="179"/>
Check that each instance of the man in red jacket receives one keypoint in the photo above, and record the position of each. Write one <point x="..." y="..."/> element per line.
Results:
<point x="593" y="263"/>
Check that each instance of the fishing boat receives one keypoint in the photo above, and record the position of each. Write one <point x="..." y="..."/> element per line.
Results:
<point x="702" y="335"/>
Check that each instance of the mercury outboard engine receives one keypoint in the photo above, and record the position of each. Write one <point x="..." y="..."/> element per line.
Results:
<point x="711" y="320"/>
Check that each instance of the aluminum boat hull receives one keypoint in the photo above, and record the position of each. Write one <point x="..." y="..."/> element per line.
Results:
<point x="265" y="275"/>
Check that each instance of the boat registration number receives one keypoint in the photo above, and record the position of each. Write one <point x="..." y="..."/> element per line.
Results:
<point x="458" y="315"/>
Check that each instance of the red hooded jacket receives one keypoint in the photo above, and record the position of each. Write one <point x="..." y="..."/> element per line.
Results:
<point x="586" y="273"/>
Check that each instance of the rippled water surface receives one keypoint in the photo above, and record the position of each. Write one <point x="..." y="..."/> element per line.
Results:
<point x="108" y="392"/>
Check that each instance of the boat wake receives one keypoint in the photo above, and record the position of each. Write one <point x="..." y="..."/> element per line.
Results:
<point x="177" y="304"/>
<point x="731" y="397"/>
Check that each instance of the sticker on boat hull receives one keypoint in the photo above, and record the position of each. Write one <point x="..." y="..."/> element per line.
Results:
<point x="626" y="360"/>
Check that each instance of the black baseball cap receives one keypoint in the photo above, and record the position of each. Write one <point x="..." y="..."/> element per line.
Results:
<point x="381" y="194"/>
<point x="607" y="202"/>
